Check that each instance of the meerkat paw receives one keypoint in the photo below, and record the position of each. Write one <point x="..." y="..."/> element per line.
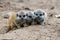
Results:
<point x="43" y="23"/>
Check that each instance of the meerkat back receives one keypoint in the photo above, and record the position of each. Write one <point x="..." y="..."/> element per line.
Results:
<point x="11" y="20"/>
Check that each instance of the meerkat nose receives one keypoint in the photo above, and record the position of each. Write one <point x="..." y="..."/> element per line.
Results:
<point x="22" y="18"/>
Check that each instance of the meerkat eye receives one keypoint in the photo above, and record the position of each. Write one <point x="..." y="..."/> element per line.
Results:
<point x="40" y="14"/>
<point x="19" y="15"/>
<point x="23" y="15"/>
<point x="43" y="13"/>
<point x="30" y="16"/>
<point x="36" y="14"/>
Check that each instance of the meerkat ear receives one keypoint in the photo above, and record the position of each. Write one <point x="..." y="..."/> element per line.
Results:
<point x="16" y="14"/>
<point x="26" y="14"/>
<point x="34" y="12"/>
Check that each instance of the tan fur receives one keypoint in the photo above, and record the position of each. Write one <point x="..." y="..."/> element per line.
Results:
<point x="11" y="20"/>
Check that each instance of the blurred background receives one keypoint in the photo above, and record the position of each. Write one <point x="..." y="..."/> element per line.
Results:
<point x="32" y="4"/>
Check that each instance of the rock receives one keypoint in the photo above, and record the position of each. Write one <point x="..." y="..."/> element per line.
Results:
<point x="52" y="8"/>
<point x="58" y="16"/>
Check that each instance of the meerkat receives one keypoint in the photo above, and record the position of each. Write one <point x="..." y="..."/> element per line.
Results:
<point x="7" y="15"/>
<point x="30" y="17"/>
<point x="11" y="20"/>
<point x="21" y="19"/>
<point x="40" y="16"/>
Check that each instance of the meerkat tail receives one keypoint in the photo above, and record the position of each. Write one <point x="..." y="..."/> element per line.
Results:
<point x="11" y="20"/>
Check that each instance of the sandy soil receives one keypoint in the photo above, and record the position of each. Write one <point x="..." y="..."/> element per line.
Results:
<point x="50" y="31"/>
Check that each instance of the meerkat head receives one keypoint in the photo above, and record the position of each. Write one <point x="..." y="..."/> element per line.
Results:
<point x="39" y="13"/>
<point x="29" y="15"/>
<point x="21" y="15"/>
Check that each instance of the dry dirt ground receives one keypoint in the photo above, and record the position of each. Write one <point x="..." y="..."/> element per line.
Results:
<point x="50" y="31"/>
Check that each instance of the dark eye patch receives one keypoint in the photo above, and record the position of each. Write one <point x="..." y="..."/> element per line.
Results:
<point x="30" y="16"/>
<point x="40" y="14"/>
<point x="36" y="14"/>
<point x="23" y="15"/>
<point x="19" y="15"/>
